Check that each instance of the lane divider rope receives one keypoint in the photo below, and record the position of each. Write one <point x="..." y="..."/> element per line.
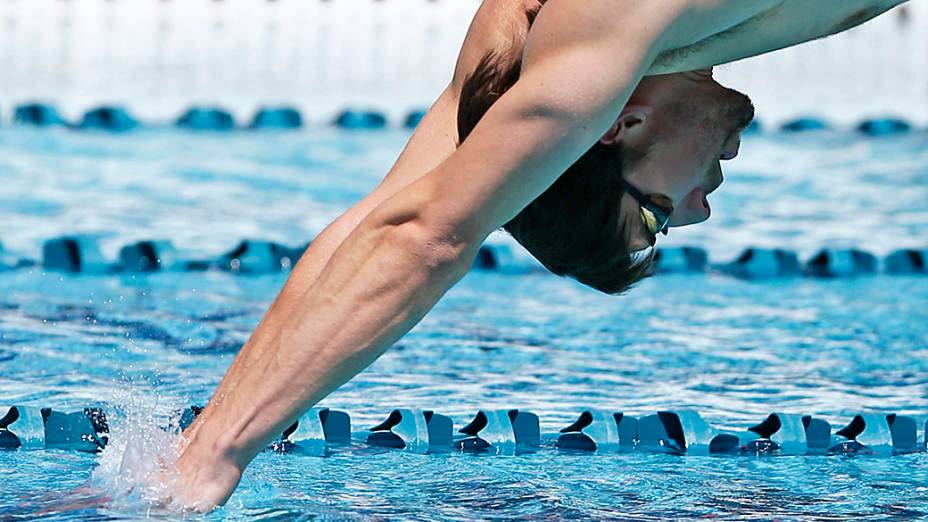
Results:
<point x="82" y="254"/>
<point x="513" y="431"/>
<point x="116" y="118"/>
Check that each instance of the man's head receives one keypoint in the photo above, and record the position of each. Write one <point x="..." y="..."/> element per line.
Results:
<point x="679" y="127"/>
<point x="668" y="140"/>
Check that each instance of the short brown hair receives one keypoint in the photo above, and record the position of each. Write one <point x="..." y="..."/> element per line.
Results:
<point x="574" y="228"/>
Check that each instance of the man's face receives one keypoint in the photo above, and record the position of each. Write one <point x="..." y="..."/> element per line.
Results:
<point x="689" y="123"/>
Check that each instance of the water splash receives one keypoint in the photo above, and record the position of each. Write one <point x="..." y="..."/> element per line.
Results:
<point x="136" y="470"/>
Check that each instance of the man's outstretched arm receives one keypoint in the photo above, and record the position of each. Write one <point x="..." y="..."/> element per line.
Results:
<point x="406" y="253"/>
<point x="433" y="141"/>
<point x="791" y="23"/>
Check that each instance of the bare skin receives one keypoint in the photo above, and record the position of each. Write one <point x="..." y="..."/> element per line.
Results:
<point x="378" y="269"/>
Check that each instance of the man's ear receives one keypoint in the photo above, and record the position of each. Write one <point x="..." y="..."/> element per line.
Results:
<point x="629" y="124"/>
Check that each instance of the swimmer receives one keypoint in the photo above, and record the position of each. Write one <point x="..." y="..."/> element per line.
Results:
<point x="587" y="129"/>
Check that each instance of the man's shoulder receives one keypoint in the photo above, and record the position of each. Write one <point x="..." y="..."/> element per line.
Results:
<point x="500" y="27"/>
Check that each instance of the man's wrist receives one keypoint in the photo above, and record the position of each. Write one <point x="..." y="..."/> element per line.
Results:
<point x="209" y="473"/>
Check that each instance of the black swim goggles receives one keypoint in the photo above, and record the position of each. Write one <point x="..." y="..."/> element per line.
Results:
<point x="655" y="209"/>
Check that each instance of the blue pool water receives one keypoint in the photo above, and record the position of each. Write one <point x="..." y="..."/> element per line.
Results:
<point x="735" y="350"/>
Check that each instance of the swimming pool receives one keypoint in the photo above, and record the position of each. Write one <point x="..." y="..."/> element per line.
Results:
<point x="735" y="350"/>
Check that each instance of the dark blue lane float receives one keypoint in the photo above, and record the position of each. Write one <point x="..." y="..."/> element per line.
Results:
<point x="841" y="263"/>
<point x="418" y="431"/>
<point x="907" y="262"/>
<point x="500" y="431"/>
<point x="602" y="431"/>
<point x="26" y="427"/>
<point x="260" y="257"/>
<point x="108" y="118"/>
<point x="513" y="431"/>
<point x="680" y="260"/>
<point x="148" y="256"/>
<point x="77" y="254"/>
<point x="277" y="118"/>
<point x="38" y="114"/>
<point x="314" y="430"/>
<point x="360" y="120"/>
<point x="805" y="124"/>
<point x="683" y="432"/>
<point x="206" y="119"/>
<point x="763" y="263"/>
<point x="884" y="127"/>
<point x="502" y="258"/>
<point x="413" y="119"/>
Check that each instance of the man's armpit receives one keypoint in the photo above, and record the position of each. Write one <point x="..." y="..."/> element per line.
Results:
<point x="749" y="31"/>
<point x="672" y="58"/>
<point x="864" y="15"/>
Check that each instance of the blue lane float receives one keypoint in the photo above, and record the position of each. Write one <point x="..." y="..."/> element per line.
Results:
<point x="109" y="118"/>
<point x="418" y="431"/>
<point x="206" y="119"/>
<point x="684" y="432"/>
<point x="907" y="262"/>
<point x="831" y="263"/>
<point x="314" y="430"/>
<point x="867" y="433"/>
<point x="260" y="257"/>
<point x="761" y="263"/>
<point x="500" y="431"/>
<point x="503" y="258"/>
<point x="805" y="124"/>
<point x="818" y="434"/>
<point x="360" y="120"/>
<point x="148" y="256"/>
<point x="38" y="114"/>
<point x="29" y="428"/>
<point x="780" y="433"/>
<point x="74" y="254"/>
<point x="884" y="127"/>
<point x="904" y="433"/>
<point x="413" y="119"/>
<point x="601" y="431"/>
<point x="277" y="118"/>
<point x="681" y="260"/>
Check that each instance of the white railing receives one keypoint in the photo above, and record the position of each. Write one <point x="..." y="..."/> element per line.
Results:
<point x="158" y="57"/>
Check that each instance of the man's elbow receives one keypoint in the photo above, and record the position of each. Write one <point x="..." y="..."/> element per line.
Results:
<point x="425" y="233"/>
<point x="439" y="248"/>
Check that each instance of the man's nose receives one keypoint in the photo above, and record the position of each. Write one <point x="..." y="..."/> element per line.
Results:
<point x="731" y="147"/>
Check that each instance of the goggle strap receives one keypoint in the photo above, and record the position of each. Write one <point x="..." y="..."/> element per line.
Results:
<point x="633" y="192"/>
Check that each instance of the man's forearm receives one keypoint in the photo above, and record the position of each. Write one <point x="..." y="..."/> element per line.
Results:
<point x="383" y="279"/>
<point x="301" y="278"/>
<point x="790" y="23"/>
<point x="427" y="147"/>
